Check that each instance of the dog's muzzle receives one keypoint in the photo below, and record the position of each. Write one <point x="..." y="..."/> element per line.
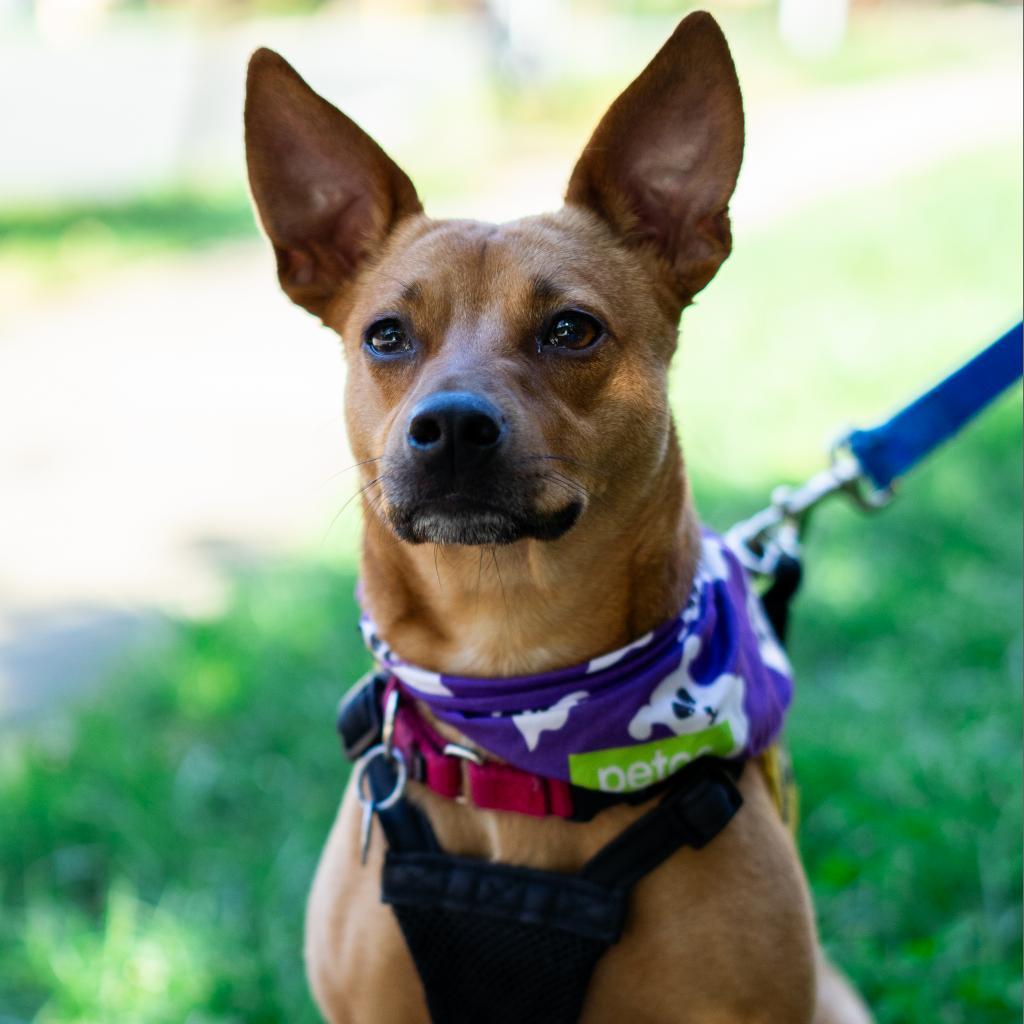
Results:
<point x="457" y="481"/>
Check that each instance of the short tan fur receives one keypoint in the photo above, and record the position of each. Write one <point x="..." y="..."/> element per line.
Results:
<point x="581" y="536"/>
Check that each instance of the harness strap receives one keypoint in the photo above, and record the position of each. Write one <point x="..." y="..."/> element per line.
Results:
<point x="404" y="825"/>
<point x="691" y="815"/>
<point x="498" y="942"/>
<point x="776" y="601"/>
<point x="507" y="944"/>
<point x="568" y="903"/>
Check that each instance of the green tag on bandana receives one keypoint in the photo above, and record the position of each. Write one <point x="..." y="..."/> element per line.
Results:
<point x="624" y="769"/>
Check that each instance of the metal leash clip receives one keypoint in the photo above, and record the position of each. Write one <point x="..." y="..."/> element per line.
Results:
<point x="776" y="531"/>
<point x="385" y="749"/>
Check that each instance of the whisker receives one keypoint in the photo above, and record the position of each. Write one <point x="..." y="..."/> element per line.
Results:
<point x="373" y="506"/>
<point x="337" y="515"/>
<point x="573" y="486"/>
<point x="355" y="465"/>
<point x="567" y="459"/>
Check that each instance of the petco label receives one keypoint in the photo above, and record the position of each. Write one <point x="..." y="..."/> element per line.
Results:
<point x="624" y="769"/>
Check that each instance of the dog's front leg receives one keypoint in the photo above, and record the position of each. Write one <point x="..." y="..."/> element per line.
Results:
<point x="356" y="959"/>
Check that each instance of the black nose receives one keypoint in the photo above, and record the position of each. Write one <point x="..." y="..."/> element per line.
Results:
<point x="454" y="431"/>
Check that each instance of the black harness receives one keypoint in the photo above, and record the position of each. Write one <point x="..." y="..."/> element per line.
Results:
<point x="498" y="943"/>
<point x="501" y="944"/>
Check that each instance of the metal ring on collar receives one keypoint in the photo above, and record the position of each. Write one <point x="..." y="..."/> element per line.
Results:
<point x="397" y="758"/>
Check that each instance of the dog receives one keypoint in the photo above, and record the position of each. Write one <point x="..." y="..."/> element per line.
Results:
<point x="506" y="401"/>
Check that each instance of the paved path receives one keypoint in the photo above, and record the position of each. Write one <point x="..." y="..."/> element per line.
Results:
<point x="174" y="420"/>
<point x="801" y="149"/>
<point x="157" y="429"/>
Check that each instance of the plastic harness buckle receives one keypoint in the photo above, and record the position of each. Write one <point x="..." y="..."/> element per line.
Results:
<point x="360" y="721"/>
<point x="703" y="810"/>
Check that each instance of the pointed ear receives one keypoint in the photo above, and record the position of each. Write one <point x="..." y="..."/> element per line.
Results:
<point x="662" y="164"/>
<point x="326" y="193"/>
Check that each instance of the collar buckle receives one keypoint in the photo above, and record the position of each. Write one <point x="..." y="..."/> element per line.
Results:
<point x="466" y="753"/>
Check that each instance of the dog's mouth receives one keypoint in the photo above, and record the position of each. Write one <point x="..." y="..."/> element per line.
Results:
<point x="457" y="519"/>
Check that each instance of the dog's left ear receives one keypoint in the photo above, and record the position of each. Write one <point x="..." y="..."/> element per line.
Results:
<point x="327" y="194"/>
<point x="662" y="164"/>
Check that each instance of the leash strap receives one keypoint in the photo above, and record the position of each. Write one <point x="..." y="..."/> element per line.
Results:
<point x="769" y="542"/>
<point x="887" y="451"/>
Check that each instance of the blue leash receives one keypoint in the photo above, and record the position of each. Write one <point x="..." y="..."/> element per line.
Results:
<point x="887" y="451"/>
<point x="878" y="456"/>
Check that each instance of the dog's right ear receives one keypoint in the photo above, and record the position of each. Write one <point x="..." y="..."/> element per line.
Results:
<point x="326" y="193"/>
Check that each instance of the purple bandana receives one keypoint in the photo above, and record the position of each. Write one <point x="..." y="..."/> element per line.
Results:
<point x="714" y="680"/>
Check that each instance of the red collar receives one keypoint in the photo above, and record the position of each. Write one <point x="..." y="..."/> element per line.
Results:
<point x="455" y="772"/>
<point x="372" y="718"/>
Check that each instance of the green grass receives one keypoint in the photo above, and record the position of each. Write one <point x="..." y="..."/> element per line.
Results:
<point x="176" y="219"/>
<point x="46" y="247"/>
<point x="157" y="842"/>
<point x="840" y="315"/>
<point x="907" y="736"/>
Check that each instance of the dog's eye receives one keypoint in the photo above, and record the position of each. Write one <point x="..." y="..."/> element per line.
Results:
<point x="573" y="330"/>
<point x="387" y="338"/>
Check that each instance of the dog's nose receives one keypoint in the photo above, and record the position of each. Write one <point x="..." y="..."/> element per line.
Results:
<point x="455" y="431"/>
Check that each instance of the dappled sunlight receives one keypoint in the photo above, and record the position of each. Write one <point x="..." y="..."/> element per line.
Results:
<point x="844" y="314"/>
<point x="139" y="956"/>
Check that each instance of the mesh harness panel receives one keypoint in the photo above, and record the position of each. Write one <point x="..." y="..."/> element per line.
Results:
<point x="501" y="944"/>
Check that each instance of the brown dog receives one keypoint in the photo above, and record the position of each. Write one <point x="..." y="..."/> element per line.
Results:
<point x="575" y="536"/>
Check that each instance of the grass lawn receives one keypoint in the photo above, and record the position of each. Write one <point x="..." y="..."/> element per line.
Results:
<point x="44" y="249"/>
<point x="156" y="843"/>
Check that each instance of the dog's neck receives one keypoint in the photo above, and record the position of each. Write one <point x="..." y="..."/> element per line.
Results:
<point x="534" y="606"/>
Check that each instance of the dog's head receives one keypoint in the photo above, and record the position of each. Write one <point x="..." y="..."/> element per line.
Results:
<point x="506" y="381"/>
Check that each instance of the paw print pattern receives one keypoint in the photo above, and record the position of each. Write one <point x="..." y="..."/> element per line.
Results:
<point x="684" y="705"/>
<point x="673" y="704"/>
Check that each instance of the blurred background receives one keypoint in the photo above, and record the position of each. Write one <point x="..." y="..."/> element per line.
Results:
<point x="176" y="552"/>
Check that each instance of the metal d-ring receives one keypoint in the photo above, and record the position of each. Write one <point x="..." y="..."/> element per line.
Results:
<point x="397" y="758"/>
<point x="760" y="541"/>
<point x="370" y="804"/>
